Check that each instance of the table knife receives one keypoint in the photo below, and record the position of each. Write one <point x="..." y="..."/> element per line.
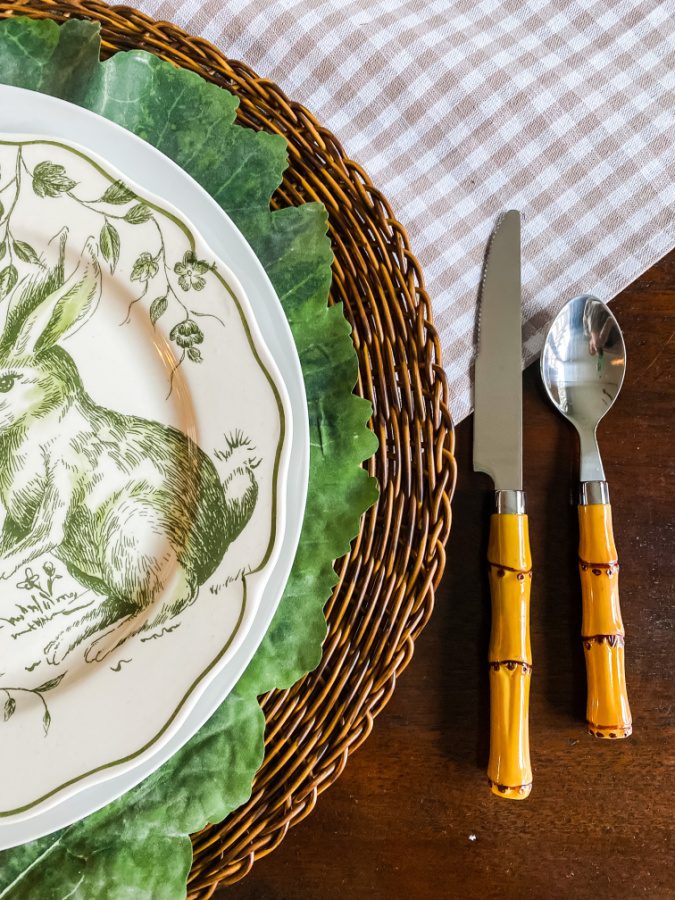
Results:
<point x="498" y="451"/>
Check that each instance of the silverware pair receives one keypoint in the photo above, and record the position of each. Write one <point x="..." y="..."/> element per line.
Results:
<point x="582" y="365"/>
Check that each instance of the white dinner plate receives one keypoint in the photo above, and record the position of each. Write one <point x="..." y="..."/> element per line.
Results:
<point x="153" y="460"/>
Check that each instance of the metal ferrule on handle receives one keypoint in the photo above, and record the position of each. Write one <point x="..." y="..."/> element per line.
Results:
<point x="510" y="655"/>
<point x="607" y="709"/>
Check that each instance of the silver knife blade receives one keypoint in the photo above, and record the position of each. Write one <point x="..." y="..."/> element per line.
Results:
<point x="498" y="402"/>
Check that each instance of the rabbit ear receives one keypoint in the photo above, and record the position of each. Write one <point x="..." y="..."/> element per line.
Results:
<point x="65" y="309"/>
<point x="28" y="294"/>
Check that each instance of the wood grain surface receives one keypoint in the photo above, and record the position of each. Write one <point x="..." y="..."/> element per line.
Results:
<point x="412" y="816"/>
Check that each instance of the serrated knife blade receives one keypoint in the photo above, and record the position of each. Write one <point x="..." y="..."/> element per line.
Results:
<point x="498" y="402"/>
<point x="497" y="450"/>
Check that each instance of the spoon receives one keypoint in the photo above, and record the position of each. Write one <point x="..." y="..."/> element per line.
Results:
<point x="582" y="366"/>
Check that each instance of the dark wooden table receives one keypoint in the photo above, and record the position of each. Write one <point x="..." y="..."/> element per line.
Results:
<point x="412" y="816"/>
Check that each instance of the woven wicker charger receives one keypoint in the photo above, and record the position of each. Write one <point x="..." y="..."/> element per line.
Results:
<point x="386" y="590"/>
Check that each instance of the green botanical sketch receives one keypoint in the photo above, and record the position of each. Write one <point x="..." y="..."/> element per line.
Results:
<point x="41" y="603"/>
<point x="10" y="694"/>
<point x="119" y="209"/>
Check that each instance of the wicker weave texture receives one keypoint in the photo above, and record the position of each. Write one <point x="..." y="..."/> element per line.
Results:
<point x="386" y="589"/>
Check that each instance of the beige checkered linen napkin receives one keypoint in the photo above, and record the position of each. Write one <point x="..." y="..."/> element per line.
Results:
<point x="460" y="109"/>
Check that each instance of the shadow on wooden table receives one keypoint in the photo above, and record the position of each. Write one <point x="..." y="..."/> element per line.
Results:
<point x="466" y="702"/>
<point x="554" y="534"/>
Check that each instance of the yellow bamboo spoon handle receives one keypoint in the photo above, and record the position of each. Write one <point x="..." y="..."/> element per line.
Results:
<point x="607" y="709"/>
<point x="510" y="656"/>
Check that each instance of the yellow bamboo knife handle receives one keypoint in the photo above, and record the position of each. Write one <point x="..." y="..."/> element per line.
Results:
<point x="607" y="709"/>
<point x="510" y="656"/>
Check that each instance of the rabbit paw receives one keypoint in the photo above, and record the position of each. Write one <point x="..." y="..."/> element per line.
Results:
<point x="56" y="651"/>
<point x="103" y="646"/>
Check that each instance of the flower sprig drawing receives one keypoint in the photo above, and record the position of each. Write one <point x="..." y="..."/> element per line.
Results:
<point x="41" y="602"/>
<point x="191" y="271"/>
<point x="10" y="693"/>
<point x="169" y="281"/>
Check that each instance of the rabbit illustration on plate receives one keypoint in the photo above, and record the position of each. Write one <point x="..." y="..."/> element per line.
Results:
<point x="134" y="509"/>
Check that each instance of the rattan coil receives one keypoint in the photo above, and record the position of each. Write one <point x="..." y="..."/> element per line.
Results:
<point x="386" y="589"/>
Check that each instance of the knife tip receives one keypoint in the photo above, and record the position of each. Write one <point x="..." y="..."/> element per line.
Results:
<point x="511" y="214"/>
<point x="511" y="219"/>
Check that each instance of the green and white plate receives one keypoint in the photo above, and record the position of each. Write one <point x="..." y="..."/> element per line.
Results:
<point x="148" y="441"/>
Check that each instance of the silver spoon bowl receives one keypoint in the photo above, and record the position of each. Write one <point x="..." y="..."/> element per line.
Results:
<point x="582" y="366"/>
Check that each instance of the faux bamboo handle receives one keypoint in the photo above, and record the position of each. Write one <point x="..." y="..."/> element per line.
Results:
<point x="607" y="709"/>
<point x="510" y="656"/>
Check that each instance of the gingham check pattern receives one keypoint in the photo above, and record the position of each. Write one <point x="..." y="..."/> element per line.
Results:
<point x="460" y="109"/>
